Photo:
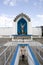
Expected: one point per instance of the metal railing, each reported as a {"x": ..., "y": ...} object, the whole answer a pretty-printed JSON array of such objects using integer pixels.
[{"x": 6, "y": 54}]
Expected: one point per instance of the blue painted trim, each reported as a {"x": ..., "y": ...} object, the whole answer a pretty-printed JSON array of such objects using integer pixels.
[
  {"x": 33, "y": 55},
  {"x": 23, "y": 44},
  {"x": 31, "y": 51},
  {"x": 22, "y": 35},
  {"x": 14, "y": 56}
]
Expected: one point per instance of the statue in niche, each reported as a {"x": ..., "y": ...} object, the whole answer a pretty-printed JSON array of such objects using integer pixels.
[{"x": 22, "y": 28}]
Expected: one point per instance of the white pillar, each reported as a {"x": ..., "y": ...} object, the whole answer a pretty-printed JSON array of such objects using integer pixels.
[{"x": 31, "y": 37}]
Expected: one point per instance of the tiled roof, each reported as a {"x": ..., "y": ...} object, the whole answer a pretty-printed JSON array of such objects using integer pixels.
[{"x": 22, "y": 15}]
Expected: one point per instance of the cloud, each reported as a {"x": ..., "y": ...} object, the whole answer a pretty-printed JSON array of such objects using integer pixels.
[
  {"x": 5, "y": 20},
  {"x": 6, "y": 2},
  {"x": 37, "y": 20},
  {"x": 34, "y": 22},
  {"x": 40, "y": 16},
  {"x": 10, "y": 2},
  {"x": 13, "y": 2},
  {"x": 40, "y": 19}
]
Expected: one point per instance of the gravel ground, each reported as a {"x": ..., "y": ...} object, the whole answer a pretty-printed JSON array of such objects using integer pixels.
[
  {"x": 4, "y": 40},
  {"x": 2, "y": 48},
  {"x": 39, "y": 40},
  {"x": 40, "y": 61}
]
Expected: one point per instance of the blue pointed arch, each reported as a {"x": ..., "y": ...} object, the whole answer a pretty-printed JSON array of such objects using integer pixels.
[{"x": 22, "y": 21}]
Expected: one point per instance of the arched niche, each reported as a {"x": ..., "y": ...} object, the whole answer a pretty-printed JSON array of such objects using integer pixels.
[
  {"x": 17, "y": 23},
  {"x": 22, "y": 27}
]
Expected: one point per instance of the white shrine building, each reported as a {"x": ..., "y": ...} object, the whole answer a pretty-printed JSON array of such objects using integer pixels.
[
  {"x": 22, "y": 26},
  {"x": 19, "y": 50}
]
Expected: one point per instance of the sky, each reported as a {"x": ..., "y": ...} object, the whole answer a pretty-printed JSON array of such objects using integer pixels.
[{"x": 9, "y": 9}]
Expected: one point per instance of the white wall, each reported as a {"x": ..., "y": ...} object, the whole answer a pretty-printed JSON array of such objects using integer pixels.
[
  {"x": 6, "y": 31},
  {"x": 29, "y": 28},
  {"x": 36, "y": 31},
  {"x": 14, "y": 28}
]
